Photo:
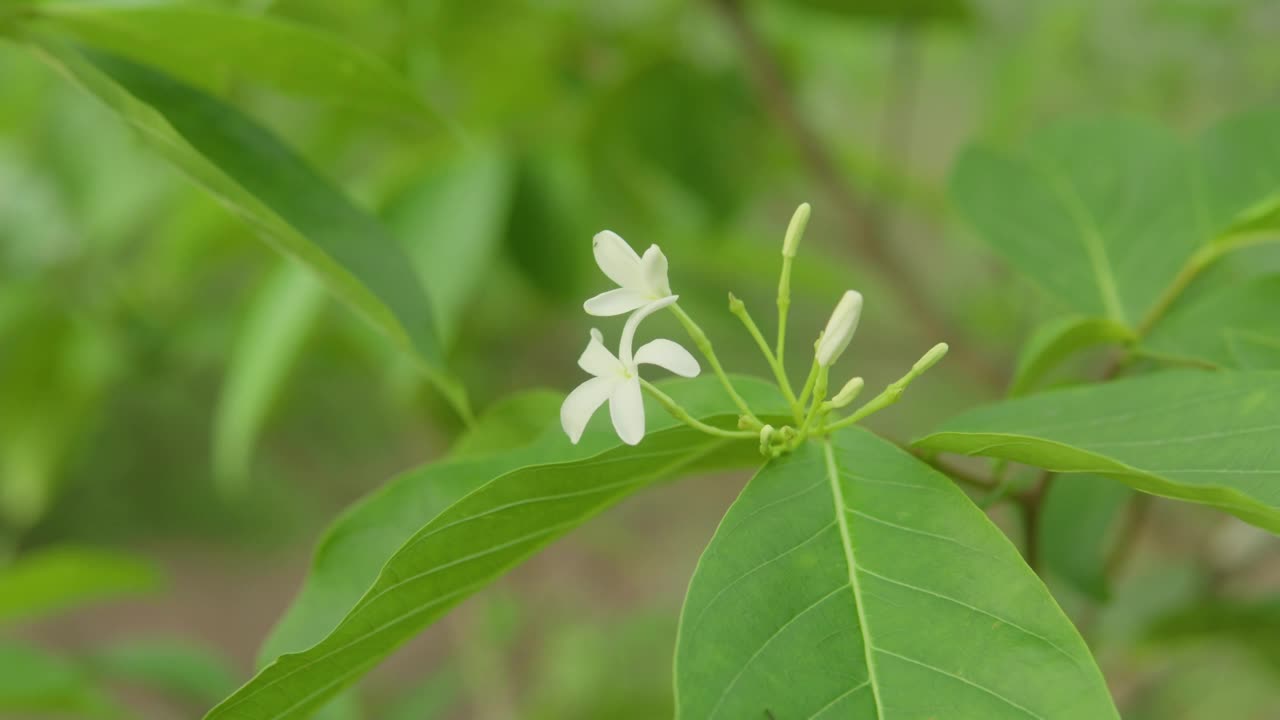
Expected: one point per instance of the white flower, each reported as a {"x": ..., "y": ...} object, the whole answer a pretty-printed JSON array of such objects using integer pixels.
[
  {"x": 840, "y": 328},
  {"x": 640, "y": 280},
  {"x": 617, "y": 379}
]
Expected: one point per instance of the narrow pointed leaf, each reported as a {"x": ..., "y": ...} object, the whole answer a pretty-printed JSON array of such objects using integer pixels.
[
  {"x": 849, "y": 580},
  {"x": 219, "y": 48},
  {"x": 258, "y": 177},
  {"x": 1205, "y": 437},
  {"x": 458, "y": 525},
  {"x": 271, "y": 339}
]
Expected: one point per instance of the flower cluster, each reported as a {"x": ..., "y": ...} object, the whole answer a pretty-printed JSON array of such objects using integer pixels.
[{"x": 643, "y": 289}]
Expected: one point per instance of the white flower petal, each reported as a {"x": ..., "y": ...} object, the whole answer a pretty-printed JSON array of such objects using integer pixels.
[
  {"x": 626, "y": 407},
  {"x": 654, "y": 267},
  {"x": 633, "y": 322},
  {"x": 616, "y": 258},
  {"x": 582, "y": 403},
  {"x": 597, "y": 359},
  {"x": 614, "y": 302},
  {"x": 669, "y": 355}
]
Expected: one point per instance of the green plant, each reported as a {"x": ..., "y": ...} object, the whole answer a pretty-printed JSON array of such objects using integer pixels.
[{"x": 853, "y": 576}]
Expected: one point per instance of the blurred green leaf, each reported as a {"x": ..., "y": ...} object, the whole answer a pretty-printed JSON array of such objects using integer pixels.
[
  {"x": 617, "y": 666},
  {"x": 1056, "y": 341},
  {"x": 1253, "y": 625},
  {"x": 1101, "y": 213},
  {"x": 271, "y": 338},
  {"x": 216, "y": 48},
  {"x": 1204, "y": 437},
  {"x": 55, "y": 368},
  {"x": 1076, "y": 530},
  {"x": 1240, "y": 162},
  {"x": 49, "y": 581},
  {"x": 33, "y": 682},
  {"x": 1237, "y": 327},
  {"x": 914, "y": 11},
  {"x": 850, "y": 580},
  {"x": 454, "y": 540},
  {"x": 451, "y": 223},
  {"x": 299, "y": 212},
  {"x": 177, "y": 667}
]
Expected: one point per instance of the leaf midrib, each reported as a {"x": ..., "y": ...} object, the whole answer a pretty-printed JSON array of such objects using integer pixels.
[
  {"x": 1091, "y": 239},
  {"x": 846, "y": 543}
]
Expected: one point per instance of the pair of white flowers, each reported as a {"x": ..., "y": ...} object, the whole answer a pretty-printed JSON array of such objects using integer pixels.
[{"x": 642, "y": 290}]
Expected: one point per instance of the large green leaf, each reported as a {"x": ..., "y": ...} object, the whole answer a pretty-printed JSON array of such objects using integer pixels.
[
  {"x": 1240, "y": 164},
  {"x": 1237, "y": 327},
  {"x": 260, "y": 179},
  {"x": 458, "y": 525},
  {"x": 849, "y": 580},
  {"x": 213, "y": 47},
  {"x": 1058, "y": 340},
  {"x": 1207, "y": 437},
  {"x": 1100, "y": 213},
  {"x": 55, "y": 579},
  {"x": 271, "y": 338}
]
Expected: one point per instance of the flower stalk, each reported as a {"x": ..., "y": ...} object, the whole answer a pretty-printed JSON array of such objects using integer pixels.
[{"x": 643, "y": 289}]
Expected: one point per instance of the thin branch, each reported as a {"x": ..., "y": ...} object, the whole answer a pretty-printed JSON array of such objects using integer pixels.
[{"x": 863, "y": 231}]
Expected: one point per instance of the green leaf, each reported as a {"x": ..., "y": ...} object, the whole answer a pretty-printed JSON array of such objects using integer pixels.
[
  {"x": 1100, "y": 213},
  {"x": 849, "y": 580},
  {"x": 49, "y": 581},
  {"x": 216, "y": 49},
  {"x": 1237, "y": 327},
  {"x": 33, "y": 681},
  {"x": 1056, "y": 341},
  {"x": 173, "y": 666},
  {"x": 1253, "y": 625},
  {"x": 1076, "y": 530},
  {"x": 458, "y": 525},
  {"x": 264, "y": 182},
  {"x": 451, "y": 222},
  {"x": 271, "y": 338},
  {"x": 1206, "y": 437},
  {"x": 1240, "y": 162},
  {"x": 916, "y": 11}
]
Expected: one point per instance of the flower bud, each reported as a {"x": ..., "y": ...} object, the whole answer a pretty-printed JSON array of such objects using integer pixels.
[
  {"x": 847, "y": 393},
  {"x": 930, "y": 358},
  {"x": 791, "y": 241},
  {"x": 735, "y": 305},
  {"x": 840, "y": 328}
]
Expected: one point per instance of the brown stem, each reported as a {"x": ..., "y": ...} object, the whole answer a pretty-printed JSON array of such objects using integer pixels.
[{"x": 862, "y": 229}]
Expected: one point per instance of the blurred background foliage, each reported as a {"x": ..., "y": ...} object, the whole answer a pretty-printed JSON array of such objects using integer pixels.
[{"x": 182, "y": 410}]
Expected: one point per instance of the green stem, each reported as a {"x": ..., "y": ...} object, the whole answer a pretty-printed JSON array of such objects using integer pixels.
[
  {"x": 683, "y": 415},
  {"x": 890, "y": 394},
  {"x": 808, "y": 384},
  {"x": 738, "y": 308},
  {"x": 704, "y": 345},
  {"x": 784, "y": 305},
  {"x": 819, "y": 394}
]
